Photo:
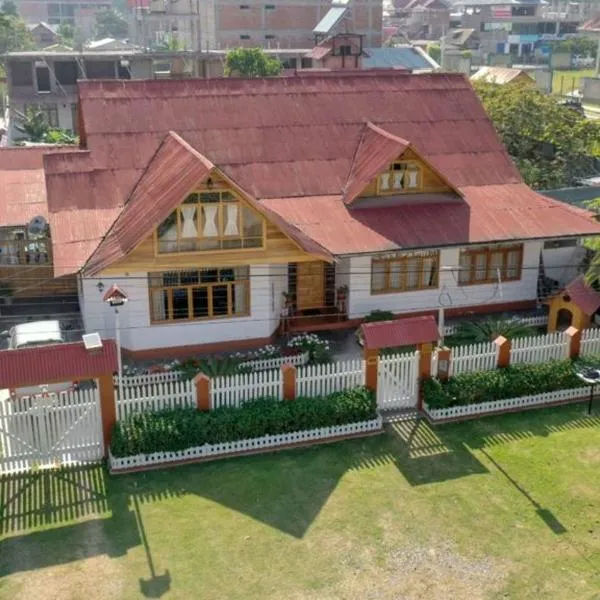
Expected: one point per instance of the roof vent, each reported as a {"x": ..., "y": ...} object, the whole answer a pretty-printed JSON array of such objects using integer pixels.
[{"x": 92, "y": 341}]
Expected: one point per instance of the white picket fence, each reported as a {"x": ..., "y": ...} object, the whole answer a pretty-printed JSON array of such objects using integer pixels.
[
  {"x": 474, "y": 357},
  {"x": 539, "y": 348},
  {"x": 131, "y": 397},
  {"x": 590, "y": 341},
  {"x": 398, "y": 381},
  {"x": 148, "y": 378},
  {"x": 276, "y": 363},
  {"x": 234, "y": 390},
  {"x": 325, "y": 379},
  {"x": 50, "y": 430}
]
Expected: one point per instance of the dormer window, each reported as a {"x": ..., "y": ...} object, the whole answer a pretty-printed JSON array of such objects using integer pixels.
[
  {"x": 210, "y": 220},
  {"x": 403, "y": 176}
]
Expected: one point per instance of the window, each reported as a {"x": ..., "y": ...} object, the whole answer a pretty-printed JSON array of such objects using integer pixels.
[
  {"x": 244, "y": 7},
  {"x": 269, "y": 7},
  {"x": 346, "y": 50},
  {"x": 405, "y": 272},
  {"x": 401, "y": 177},
  {"x": 269, "y": 36},
  {"x": 21, "y": 73},
  {"x": 50, "y": 112},
  {"x": 196, "y": 295},
  {"x": 212, "y": 220},
  {"x": 66, "y": 72},
  {"x": 100, "y": 69},
  {"x": 42, "y": 77},
  {"x": 555, "y": 244},
  {"x": 481, "y": 265},
  {"x": 244, "y": 37}
]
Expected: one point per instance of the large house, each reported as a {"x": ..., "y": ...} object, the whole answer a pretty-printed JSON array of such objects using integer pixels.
[{"x": 217, "y": 206}]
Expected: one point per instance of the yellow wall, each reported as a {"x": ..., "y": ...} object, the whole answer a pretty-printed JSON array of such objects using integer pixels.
[{"x": 580, "y": 320}]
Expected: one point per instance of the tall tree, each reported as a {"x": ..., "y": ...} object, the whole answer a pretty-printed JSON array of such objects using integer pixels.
[
  {"x": 251, "y": 62},
  {"x": 552, "y": 145},
  {"x": 66, "y": 33},
  {"x": 8, "y": 7},
  {"x": 14, "y": 34},
  {"x": 110, "y": 23}
]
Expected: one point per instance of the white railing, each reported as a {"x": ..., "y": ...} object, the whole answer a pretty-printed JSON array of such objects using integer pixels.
[
  {"x": 398, "y": 381},
  {"x": 524, "y": 402},
  {"x": 155, "y": 396},
  {"x": 532, "y": 321},
  {"x": 276, "y": 363},
  {"x": 252, "y": 445},
  {"x": 234, "y": 390},
  {"x": 321, "y": 380},
  {"x": 148, "y": 378},
  {"x": 590, "y": 341},
  {"x": 539, "y": 348},
  {"x": 474, "y": 357}
]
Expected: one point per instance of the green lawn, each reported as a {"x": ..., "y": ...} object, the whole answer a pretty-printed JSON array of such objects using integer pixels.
[
  {"x": 564, "y": 82},
  {"x": 504, "y": 507}
]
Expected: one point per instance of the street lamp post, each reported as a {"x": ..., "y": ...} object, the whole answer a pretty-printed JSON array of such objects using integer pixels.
[
  {"x": 116, "y": 298},
  {"x": 591, "y": 377}
]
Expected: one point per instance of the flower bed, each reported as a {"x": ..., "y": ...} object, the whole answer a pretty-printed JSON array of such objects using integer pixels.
[{"x": 174, "y": 433}]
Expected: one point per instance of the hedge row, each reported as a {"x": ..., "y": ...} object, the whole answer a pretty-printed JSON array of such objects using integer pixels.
[
  {"x": 178, "y": 429},
  {"x": 511, "y": 382}
]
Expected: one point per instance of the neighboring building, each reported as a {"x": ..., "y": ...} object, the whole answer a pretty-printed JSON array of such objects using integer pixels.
[
  {"x": 26, "y": 255},
  {"x": 422, "y": 19},
  {"x": 503, "y": 75},
  {"x": 227, "y": 24},
  {"x": 44, "y": 35},
  {"x": 389, "y": 188},
  {"x": 462, "y": 39}
]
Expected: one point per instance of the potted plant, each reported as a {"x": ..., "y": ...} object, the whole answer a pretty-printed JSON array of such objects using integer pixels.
[{"x": 6, "y": 292}]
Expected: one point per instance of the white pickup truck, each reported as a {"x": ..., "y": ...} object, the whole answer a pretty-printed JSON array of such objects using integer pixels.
[{"x": 38, "y": 333}]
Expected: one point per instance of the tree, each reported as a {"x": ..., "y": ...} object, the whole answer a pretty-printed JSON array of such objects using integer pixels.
[
  {"x": 552, "y": 144},
  {"x": 14, "y": 35},
  {"x": 435, "y": 52},
  {"x": 9, "y": 8},
  {"x": 33, "y": 124},
  {"x": 578, "y": 46},
  {"x": 251, "y": 62},
  {"x": 66, "y": 33},
  {"x": 109, "y": 23}
]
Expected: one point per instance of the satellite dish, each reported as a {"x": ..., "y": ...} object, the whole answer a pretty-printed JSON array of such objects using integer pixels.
[{"x": 38, "y": 227}]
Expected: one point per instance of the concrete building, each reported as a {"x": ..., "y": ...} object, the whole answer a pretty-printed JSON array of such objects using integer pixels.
[{"x": 421, "y": 19}]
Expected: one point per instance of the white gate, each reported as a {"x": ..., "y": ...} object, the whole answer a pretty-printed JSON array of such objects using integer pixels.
[
  {"x": 398, "y": 382},
  {"x": 51, "y": 429}
]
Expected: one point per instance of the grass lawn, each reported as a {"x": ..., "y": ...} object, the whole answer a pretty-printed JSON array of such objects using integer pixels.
[
  {"x": 504, "y": 507},
  {"x": 564, "y": 82}
]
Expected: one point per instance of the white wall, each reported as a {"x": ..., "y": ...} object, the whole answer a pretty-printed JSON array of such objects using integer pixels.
[
  {"x": 267, "y": 282},
  {"x": 561, "y": 263},
  {"x": 361, "y": 301}
]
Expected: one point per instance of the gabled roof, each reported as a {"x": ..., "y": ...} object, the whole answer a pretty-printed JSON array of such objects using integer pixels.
[
  {"x": 400, "y": 332},
  {"x": 591, "y": 26},
  {"x": 399, "y": 57},
  {"x": 584, "y": 296},
  {"x": 499, "y": 75}
]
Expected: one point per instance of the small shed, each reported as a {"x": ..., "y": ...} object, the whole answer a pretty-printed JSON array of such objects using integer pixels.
[{"x": 574, "y": 306}]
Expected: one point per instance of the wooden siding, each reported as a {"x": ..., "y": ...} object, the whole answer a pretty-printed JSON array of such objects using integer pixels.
[
  {"x": 432, "y": 183},
  {"x": 36, "y": 281}
]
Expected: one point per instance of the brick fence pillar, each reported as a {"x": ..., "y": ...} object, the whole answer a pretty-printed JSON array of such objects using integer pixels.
[
  {"x": 108, "y": 408},
  {"x": 288, "y": 373},
  {"x": 574, "y": 336},
  {"x": 443, "y": 363},
  {"x": 202, "y": 383},
  {"x": 503, "y": 346},
  {"x": 425, "y": 352},
  {"x": 371, "y": 369}
]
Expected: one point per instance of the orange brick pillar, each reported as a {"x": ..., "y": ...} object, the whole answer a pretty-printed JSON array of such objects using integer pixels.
[
  {"x": 288, "y": 373},
  {"x": 503, "y": 351},
  {"x": 444, "y": 358},
  {"x": 202, "y": 383},
  {"x": 425, "y": 351},
  {"x": 371, "y": 369},
  {"x": 108, "y": 408},
  {"x": 574, "y": 336}
]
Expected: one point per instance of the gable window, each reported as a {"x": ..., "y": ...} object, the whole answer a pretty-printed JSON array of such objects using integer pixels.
[
  {"x": 401, "y": 177},
  {"x": 482, "y": 265},
  {"x": 214, "y": 220},
  {"x": 405, "y": 272},
  {"x": 197, "y": 295}
]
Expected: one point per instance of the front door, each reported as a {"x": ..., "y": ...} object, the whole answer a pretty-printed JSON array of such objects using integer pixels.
[{"x": 310, "y": 285}]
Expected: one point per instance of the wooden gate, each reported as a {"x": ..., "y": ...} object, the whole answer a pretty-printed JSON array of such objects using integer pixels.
[
  {"x": 398, "y": 382},
  {"x": 48, "y": 430}
]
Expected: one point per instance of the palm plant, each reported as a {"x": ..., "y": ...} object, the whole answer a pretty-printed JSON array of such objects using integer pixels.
[
  {"x": 487, "y": 330},
  {"x": 33, "y": 124}
]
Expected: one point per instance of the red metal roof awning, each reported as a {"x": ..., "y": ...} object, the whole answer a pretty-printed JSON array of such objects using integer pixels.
[
  {"x": 584, "y": 296},
  {"x": 401, "y": 332},
  {"x": 56, "y": 363}
]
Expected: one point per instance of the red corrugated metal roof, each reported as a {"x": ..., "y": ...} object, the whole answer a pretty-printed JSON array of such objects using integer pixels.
[
  {"x": 400, "y": 332},
  {"x": 586, "y": 297},
  {"x": 55, "y": 363},
  {"x": 286, "y": 137}
]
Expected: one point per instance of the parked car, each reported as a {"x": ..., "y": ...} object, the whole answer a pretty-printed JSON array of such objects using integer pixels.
[{"x": 38, "y": 333}]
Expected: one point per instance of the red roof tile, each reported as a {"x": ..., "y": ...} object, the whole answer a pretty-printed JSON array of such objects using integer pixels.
[
  {"x": 586, "y": 297},
  {"x": 55, "y": 363},
  {"x": 400, "y": 332}
]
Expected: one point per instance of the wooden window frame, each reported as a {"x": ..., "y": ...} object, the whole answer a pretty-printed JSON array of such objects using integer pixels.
[
  {"x": 491, "y": 275},
  {"x": 387, "y": 262},
  {"x": 170, "y": 320},
  {"x": 241, "y": 206},
  {"x": 390, "y": 171}
]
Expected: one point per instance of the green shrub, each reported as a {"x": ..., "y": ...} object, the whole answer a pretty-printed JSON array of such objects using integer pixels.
[
  {"x": 319, "y": 349},
  {"x": 379, "y": 315},
  {"x": 512, "y": 382},
  {"x": 487, "y": 330},
  {"x": 213, "y": 366},
  {"x": 178, "y": 429}
]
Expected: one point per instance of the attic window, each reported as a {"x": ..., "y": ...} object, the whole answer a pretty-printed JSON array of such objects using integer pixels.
[{"x": 402, "y": 176}]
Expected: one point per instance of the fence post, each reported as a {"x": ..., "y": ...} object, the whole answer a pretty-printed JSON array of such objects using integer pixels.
[
  {"x": 288, "y": 373},
  {"x": 503, "y": 346},
  {"x": 574, "y": 339},
  {"x": 371, "y": 369},
  {"x": 425, "y": 351},
  {"x": 443, "y": 363},
  {"x": 202, "y": 383},
  {"x": 108, "y": 408}
]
